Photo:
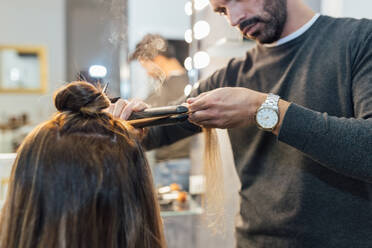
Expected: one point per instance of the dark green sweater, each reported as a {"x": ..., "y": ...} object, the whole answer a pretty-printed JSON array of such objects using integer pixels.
[{"x": 312, "y": 185}]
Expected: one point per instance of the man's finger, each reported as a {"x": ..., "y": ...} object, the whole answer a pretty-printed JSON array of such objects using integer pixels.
[
  {"x": 110, "y": 109},
  {"x": 209, "y": 124},
  {"x": 119, "y": 106},
  {"x": 140, "y": 106},
  {"x": 206, "y": 124},
  {"x": 198, "y": 105},
  {"x": 127, "y": 111},
  {"x": 133, "y": 106},
  {"x": 193, "y": 99},
  {"x": 200, "y": 116}
]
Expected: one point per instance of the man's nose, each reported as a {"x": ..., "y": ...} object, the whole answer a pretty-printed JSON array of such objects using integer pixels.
[{"x": 235, "y": 16}]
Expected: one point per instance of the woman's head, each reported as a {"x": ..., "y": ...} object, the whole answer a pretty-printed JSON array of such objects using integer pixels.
[{"x": 81, "y": 180}]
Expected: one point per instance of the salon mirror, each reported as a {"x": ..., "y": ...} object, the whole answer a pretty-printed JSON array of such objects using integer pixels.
[{"x": 23, "y": 69}]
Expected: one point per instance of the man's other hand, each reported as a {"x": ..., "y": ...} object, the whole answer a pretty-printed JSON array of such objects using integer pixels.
[
  {"x": 225, "y": 107},
  {"x": 123, "y": 108}
]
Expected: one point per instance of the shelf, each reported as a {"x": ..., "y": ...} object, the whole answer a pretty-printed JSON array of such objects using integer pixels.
[{"x": 194, "y": 208}]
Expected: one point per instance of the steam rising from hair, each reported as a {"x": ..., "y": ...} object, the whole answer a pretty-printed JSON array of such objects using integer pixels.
[
  {"x": 151, "y": 46},
  {"x": 148, "y": 48},
  {"x": 115, "y": 12}
]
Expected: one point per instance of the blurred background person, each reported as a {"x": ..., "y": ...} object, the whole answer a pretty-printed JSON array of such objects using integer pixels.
[{"x": 160, "y": 60}]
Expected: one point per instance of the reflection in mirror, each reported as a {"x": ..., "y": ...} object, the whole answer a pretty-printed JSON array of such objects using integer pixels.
[{"x": 22, "y": 69}]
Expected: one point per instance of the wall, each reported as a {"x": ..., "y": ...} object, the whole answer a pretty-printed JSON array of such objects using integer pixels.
[
  {"x": 36, "y": 22},
  {"x": 347, "y": 8},
  {"x": 96, "y": 30},
  {"x": 314, "y": 4},
  {"x": 357, "y": 8}
]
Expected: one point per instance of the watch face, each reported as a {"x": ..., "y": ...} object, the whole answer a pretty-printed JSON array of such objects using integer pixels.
[{"x": 267, "y": 118}]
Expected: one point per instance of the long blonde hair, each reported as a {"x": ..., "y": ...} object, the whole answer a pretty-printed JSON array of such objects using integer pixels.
[{"x": 214, "y": 200}]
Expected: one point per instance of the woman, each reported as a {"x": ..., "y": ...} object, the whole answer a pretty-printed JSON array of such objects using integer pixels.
[{"x": 81, "y": 180}]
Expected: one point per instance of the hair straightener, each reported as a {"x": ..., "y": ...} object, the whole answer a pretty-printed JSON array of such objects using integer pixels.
[{"x": 159, "y": 116}]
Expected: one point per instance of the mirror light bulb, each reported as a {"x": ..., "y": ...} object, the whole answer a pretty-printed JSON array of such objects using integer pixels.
[
  {"x": 201, "y": 60},
  {"x": 201, "y": 4},
  {"x": 188, "y": 36},
  {"x": 188, "y": 63},
  {"x": 201, "y": 30},
  {"x": 97, "y": 71},
  {"x": 188, "y": 89},
  {"x": 188, "y": 8}
]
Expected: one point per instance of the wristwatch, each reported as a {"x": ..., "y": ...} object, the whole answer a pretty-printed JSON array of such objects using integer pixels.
[{"x": 267, "y": 115}]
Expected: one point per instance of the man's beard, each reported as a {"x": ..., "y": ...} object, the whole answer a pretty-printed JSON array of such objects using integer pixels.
[{"x": 273, "y": 20}]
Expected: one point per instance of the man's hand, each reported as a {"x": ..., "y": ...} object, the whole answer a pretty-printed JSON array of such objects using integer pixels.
[
  {"x": 225, "y": 107},
  {"x": 123, "y": 109}
]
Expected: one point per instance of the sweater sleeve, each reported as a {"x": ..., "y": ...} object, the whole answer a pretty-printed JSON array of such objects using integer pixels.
[
  {"x": 159, "y": 136},
  {"x": 341, "y": 144}
]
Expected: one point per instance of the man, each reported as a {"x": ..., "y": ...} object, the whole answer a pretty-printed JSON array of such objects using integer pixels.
[
  {"x": 307, "y": 177},
  {"x": 159, "y": 58}
]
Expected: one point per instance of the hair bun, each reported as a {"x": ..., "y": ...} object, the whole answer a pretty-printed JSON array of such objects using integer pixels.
[{"x": 80, "y": 97}]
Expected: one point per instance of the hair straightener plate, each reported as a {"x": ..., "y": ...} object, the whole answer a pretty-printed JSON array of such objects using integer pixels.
[{"x": 159, "y": 116}]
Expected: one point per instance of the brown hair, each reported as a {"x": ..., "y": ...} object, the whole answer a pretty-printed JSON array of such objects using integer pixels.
[
  {"x": 151, "y": 46},
  {"x": 81, "y": 180}
]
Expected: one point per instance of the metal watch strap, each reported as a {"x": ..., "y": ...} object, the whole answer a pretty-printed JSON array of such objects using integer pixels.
[{"x": 271, "y": 101}]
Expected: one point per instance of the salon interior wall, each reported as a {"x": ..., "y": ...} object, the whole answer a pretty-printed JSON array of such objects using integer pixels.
[
  {"x": 165, "y": 17},
  {"x": 96, "y": 32},
  {"x": 36, "y": 22},
  {"x": 347, "y": 8}
]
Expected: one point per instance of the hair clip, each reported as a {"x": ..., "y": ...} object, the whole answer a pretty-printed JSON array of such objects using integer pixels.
[{"x": 104, "y": 91}]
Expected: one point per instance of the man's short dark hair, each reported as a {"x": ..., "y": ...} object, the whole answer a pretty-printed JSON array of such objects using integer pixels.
[{"x": 151, "y": 46}]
